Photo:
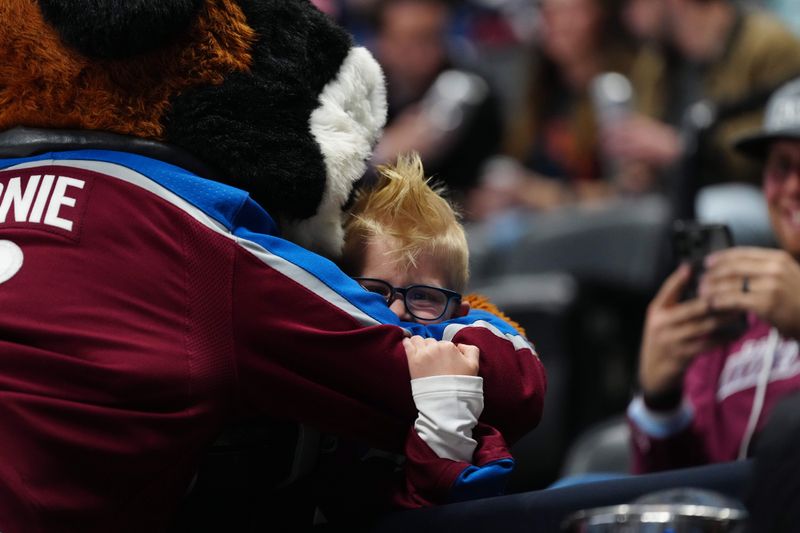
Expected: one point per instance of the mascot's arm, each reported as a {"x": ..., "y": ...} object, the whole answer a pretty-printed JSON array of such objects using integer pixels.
[{"x": 311, "y": 345}]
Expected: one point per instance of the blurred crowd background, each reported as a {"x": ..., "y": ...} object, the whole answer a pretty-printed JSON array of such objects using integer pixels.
[{"x": 572, "y": 134}]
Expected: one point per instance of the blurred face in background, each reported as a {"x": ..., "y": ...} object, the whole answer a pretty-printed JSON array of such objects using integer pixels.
[
  {"x": 782, "y": 192},
  {"x": 331, "y": 7},
  {"x": 412, "y": 43},
  {"x": 689, "y": 30},
  {"x": 645, "y": 19},
  {"x": 570, "y": 29}
]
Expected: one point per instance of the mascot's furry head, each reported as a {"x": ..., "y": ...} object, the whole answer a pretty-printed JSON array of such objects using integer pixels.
[{"x": 269, "y": 96}]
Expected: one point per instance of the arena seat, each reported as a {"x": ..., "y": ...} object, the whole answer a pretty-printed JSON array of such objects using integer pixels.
[{"x": 602, "y": 448}]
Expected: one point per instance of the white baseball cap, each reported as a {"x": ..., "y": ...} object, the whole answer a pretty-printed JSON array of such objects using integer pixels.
[{"x": 781, "y": 121}]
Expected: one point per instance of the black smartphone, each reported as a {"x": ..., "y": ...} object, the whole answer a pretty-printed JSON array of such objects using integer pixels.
[{"x": 692, "y": 241}]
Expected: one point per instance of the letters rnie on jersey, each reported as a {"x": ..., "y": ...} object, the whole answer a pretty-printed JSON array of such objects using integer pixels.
[{"x": 48, "y": 201}]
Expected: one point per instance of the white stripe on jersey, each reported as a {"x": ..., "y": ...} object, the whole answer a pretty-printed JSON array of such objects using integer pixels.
[{"x": 518, "y": 341}]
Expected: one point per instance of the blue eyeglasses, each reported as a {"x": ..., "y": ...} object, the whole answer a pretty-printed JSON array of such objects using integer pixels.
[{"x": 423, "y": 302}]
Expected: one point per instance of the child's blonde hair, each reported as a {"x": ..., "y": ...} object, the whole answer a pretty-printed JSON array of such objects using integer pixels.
[{"x": 407, "y": 207}]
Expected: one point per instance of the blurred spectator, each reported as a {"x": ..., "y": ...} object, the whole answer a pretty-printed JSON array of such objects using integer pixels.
[
  {"x": 490, "y": 35},
  {"x": 705, "y": 396},
  {"x": 711, "y": 51},
  {"x": 438, "y": 107},
  {"x": 553, "y": 145},
  {"x": 353, "y": 15}
]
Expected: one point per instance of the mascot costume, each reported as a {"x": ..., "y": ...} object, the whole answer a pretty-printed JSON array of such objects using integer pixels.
[{"x": 173, "y": 174}]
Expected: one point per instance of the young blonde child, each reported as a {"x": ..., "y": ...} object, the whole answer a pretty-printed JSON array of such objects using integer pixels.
[{"x": 404, "y": 242}]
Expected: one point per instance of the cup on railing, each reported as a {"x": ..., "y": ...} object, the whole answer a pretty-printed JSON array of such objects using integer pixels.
[{"x": 681, "y": 510}]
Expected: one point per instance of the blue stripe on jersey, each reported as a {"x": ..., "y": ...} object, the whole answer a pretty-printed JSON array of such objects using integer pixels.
[
  {"x": 326, "y": 272},
  {"x": 219, "y": 201},
  {"x": 437, "y": 330},
  {"x": 482, "y": 481},
  {"x": 330, "y": 274}
]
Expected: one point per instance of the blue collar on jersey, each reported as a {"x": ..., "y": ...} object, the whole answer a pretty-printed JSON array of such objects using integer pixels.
[{"x": 228, "y": 205}]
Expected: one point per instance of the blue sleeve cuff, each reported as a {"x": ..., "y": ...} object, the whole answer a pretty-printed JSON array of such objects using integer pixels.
[
  {"x": 660, "y": 425},
  {"x": 476, "y": 482}
]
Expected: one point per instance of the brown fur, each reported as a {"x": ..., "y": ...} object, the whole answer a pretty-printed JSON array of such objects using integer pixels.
[
  {"x": 66, "y": 90},
  {"x": 478, "y": 301}
]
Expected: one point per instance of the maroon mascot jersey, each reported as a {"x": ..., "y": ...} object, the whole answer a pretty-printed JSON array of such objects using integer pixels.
[{"x": 144, "y": 307}]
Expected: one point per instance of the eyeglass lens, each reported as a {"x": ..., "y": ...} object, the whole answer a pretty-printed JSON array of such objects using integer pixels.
[
  {"x": 378, "y": 287},
  {"x": 425, "y": 302}
]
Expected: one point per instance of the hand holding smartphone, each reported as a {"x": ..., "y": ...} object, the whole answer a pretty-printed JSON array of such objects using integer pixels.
[{"x": 692, "y": 242}]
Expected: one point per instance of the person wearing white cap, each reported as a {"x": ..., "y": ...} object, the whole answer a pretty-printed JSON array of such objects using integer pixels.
[{"x": 703, "y": 399}]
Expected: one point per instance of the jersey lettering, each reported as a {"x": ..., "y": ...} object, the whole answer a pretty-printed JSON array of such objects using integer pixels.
[{"x": 40, "y": 199}]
